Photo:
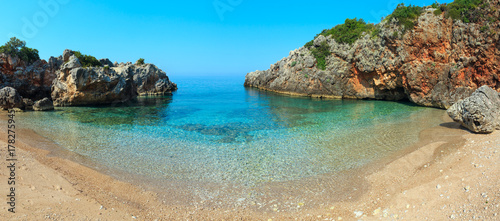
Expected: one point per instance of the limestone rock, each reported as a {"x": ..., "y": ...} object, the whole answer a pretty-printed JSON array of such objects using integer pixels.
[
  {"x": 105, "y": 61},
  {"x": 67, "y": 54},
  {"x": 438, "y": 63},
  {"x": 110, "y": 84},
  {"x": 87, "y": 86},
  {"x": 67, "y": 83},
  {"x": 480, "y": 113},
  {"x": 32, "y": 80},
  {"x": 149, "y": 79},
  {"x": 28, "y": 104},
  {"x": 43, "y": 105},
  {"x": 9, "y": 98},
  {"x": 73, "y": 62}
]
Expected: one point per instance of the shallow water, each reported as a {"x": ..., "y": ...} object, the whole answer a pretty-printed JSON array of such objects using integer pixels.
[{"x": 213, "y": 130}]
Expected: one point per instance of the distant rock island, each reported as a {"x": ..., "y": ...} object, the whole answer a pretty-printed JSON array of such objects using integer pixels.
[
  {"x": 72, "y": 79},
  {"x": 433, "y": 56}
]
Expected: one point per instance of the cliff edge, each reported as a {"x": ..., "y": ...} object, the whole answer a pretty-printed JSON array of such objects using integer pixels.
[
  {"x": 439, "y": 56},
  {"x": 73, "y": 79}
]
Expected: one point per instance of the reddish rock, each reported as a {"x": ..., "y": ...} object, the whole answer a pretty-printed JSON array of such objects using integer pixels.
[{"x": 436, "y": 64}]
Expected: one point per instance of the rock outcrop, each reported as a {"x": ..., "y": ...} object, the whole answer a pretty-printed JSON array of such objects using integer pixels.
[
  {"x": 9, "y": 98},
  {"x": 480, "y": 113},
  {"x": 43, "y": 105},
  {"x": 75, "y": 85},
  {"x": 437, "y": 63},
  {"x": 30, "y": 80},
  {"x": 67, "y": 83}
]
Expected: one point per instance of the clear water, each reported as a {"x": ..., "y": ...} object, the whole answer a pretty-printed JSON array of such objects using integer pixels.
[{"x": 214, "y": 130}]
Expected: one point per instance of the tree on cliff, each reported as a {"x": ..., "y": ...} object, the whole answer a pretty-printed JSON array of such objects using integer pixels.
[{"x": 16, "y": 47}]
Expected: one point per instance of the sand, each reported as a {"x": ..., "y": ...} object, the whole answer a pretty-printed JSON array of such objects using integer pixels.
[{"x": 449, "y": 174}]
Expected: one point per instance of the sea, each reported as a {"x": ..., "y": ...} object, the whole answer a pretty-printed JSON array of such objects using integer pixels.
[{"x": 219, "y": 140}]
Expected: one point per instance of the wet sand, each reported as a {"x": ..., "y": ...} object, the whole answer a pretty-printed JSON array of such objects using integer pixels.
[{"x": 449, "y": 174}]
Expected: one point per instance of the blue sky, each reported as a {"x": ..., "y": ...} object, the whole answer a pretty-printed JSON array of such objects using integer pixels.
[{"x": 182, "y": 37}]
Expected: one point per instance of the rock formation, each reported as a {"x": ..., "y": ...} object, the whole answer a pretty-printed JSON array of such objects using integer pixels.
[
  {"x": 31, "y": 81},
  {"x": 75, "y": 85},
  {"x": 437, "y": 63},
  {"x": 43, "y": 105},
  {"x": 67, "y": 83},
  {"x": 480, "y": 113},
  {"x": 9, "y": 98}
]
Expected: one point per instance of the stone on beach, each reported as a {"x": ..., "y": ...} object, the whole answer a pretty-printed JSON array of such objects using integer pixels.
[
  {"x": 43, "y": 105},
  {"x": 480, "y": 113}
]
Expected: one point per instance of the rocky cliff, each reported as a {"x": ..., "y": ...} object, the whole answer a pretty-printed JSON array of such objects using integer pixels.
[
  {"x": 436, "y": 63},
  {"x": 66, "y": 82},
  {"x": 75, "y": 85}
]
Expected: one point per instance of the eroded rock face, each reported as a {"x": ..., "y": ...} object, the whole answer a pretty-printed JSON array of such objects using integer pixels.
[
  {"x": 9, "y": 98},
  {"x": 75, "y": 85},
  {"x": 149, "y": 79},
  {"x": 436, "y": 64},
  {"x": 480, "y": 113},
  {"x": 65, "y": 80},
  {"x": 30, "y": 80}
]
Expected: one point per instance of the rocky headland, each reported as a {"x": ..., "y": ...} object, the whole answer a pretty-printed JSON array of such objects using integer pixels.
[
  {"x": 433, "y": 56},
  {"x": 68, "y": 81}
]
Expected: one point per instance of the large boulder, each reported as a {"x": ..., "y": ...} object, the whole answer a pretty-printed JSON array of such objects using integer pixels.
[
  {"x": 9, "y": 98},
  {"x": 480, "y": 113},
  {"x": 43, "y": 105},
  {"x": 89, "y": 86}
]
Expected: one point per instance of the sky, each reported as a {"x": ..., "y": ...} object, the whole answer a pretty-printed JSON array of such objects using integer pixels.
[{"x": 210, "y": 37}]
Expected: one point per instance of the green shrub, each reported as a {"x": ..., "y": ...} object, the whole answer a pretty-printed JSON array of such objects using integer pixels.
[
  {"x": 464, "y": 10},
  {"x": 376, "y": 32},
  {"x": 106, "y": 67},
  {"x": 348, "y": 32},
  {"x": 484, "y": 28},
  {"x": 140, "y": 61},
  {"x": 438, "y": 12},
  {"x": 406, "y": 15},
  {"x": 435, "y": 5},
  {"x": 293, "y": 64},
  {"x": 306, "y": 76},
  {"x": 16, "y": 47},
  {"x": 320, "y": 53},
  {"x": 310, "y": 43},
  {"x": 87, "y": 60}
]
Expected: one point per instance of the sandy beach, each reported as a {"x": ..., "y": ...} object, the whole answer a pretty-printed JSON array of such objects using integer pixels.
[{"x": 449, "y": 174}]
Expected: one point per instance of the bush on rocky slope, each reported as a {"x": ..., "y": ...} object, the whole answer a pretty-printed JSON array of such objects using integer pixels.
[
  {"x": 87, "y": 60},
  {"x": 406, "y": 15},
  {"x": 17, "y": 48}
]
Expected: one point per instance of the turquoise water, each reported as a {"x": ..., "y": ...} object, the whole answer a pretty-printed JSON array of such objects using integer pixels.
[{"x": 216, "y": 131}]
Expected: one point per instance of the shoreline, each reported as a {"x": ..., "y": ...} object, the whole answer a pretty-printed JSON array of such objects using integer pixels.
[{"x": 92, "y": 194}]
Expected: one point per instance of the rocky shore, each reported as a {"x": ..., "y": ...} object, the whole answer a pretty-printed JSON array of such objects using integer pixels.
[
  {"x": 436, "y": 63},
  {"x": 64, "y": 81}
]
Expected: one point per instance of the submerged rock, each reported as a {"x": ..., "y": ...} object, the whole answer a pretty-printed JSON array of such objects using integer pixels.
[{"x": 480, "y": 113}]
